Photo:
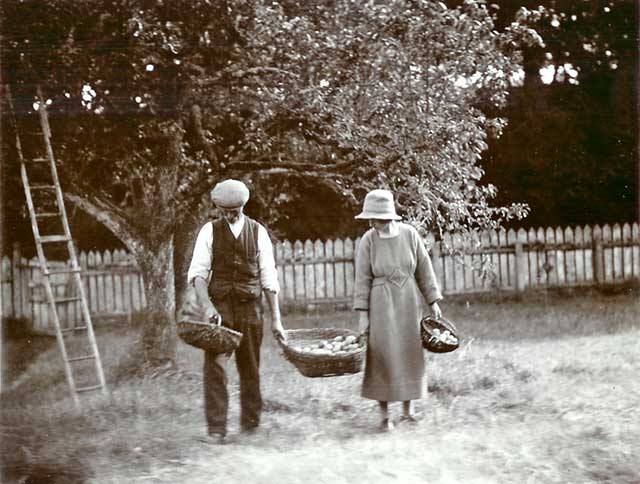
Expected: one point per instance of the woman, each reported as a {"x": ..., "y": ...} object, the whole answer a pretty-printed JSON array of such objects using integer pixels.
[{"x": 393, "y": 274}]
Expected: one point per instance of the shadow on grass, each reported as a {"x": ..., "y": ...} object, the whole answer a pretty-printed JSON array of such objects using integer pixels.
[
  {"x": 20, "y": 349},
  {"x": 448, "y": 390},
  {"x": 544, "y": 314},
  {"x": 32, "y": 451},
  {"x": 44, "y": 473}
]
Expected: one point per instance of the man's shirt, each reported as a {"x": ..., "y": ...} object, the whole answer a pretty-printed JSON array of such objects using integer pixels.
[{"x": 203, "y": 255}]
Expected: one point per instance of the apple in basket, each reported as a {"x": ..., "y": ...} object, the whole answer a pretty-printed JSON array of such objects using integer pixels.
[
  {"x": 339, "y": 345},
  {"x": 444, "y": 336}
]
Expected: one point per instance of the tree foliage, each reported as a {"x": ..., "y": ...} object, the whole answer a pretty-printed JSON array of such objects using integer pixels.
[
  {"x": 378, "y": 93},
  {"x": 570, "y": 150},
  {"x": 153, "y": 101},
  {"x": 392, "y": 94}
]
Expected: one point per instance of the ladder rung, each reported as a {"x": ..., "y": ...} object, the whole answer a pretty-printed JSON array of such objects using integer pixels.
[
  {"x": 66, "y": 300},
  {"x": 54, "y": 238},
  {"x": 81, "y": 358},
  {"x": 47, "y": 214},
  {"x": 39, "y": 285},
  {"x": 70, "y": 330},
  {"x": 62, "y": 270},
  {"x": 37, "y": 160},
  {"x": 42, "y": 187},
  {"x": 88, "y": 389}
]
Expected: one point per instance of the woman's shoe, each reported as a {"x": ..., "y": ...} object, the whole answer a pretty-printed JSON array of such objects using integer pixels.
[
  {"x": 386, "y": 425},
  {"x": 410, "y": 419}
]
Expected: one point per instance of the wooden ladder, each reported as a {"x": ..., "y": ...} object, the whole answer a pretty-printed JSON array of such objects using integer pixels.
[{"x": 45, "y": 203}]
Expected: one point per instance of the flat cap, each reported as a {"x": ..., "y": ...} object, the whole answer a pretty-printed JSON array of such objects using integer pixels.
[{"x": 230, "y": 194}]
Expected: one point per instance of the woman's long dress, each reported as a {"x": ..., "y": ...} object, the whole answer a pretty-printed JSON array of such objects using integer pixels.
[{"x": 392, "y": 276}]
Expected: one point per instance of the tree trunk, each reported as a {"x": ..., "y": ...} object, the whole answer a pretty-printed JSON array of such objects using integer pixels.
[
  {"x": 187, "y": 228},
  {"x": 159, "y": 328},
  {"x": 155, "y": 261}
]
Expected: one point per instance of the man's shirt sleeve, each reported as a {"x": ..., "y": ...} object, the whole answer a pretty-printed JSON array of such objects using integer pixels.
[
  {"x": 266, "y": 262},
  {"x": 201, "y": 260}
]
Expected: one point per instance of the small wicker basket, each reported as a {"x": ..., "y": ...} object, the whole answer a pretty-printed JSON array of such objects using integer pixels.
[
  {"x": 209, "y": 336},
  {"x": 430, "y": 332},
  {"x": 312, "y": 365}
]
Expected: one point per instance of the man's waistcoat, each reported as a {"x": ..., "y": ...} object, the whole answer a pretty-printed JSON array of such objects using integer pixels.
[{"x": 235, "y": 261}]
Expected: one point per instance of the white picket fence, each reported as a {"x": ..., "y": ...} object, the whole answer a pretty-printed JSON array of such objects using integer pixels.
[
  {"x": 113, "y": 286},
  {"x": 317, "y": 272},
  {"x": 312, "y": 272}
]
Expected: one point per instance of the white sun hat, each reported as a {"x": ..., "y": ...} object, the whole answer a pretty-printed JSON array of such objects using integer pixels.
[{"x": 378, "y": 204}]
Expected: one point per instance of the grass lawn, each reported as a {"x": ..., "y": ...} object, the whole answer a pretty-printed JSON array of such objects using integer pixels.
[{"x": 544, "y": 389}]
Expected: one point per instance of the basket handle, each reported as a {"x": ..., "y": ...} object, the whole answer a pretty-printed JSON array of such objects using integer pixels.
[{"x": 445, "y": 322}]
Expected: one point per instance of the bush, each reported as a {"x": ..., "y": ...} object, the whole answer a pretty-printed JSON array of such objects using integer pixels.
[{"x": 15, "y": 328}]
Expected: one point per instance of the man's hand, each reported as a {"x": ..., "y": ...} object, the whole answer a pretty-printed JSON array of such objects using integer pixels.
[
  {"x": 210, "y": 311},
  {"x": 278, "y": 330},
  {"x": 207, "y": 306},
  {"x": 276, "y": 321}
]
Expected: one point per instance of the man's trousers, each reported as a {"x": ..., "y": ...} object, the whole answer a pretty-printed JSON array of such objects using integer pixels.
[{"x": 246, "y": 317}]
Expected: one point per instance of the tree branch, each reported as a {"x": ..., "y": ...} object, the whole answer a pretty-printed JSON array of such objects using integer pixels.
[
  {"x": 107, "y": 214},
  {"x": 271, "y": 70},
  {"x": 291, "y": 167},
  {"x": 321, "y": 176},
  {"x": 212, "y": 154}
]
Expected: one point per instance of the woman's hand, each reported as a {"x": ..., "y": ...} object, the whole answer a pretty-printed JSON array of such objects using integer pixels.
[
  {"x": 363, "y": 326},
  {"x": 436, "y": 312},
  {"x": 363, "y": 322}
]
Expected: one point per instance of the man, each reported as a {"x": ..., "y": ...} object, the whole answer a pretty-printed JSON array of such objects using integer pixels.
[{"x": 232, "y": 266}]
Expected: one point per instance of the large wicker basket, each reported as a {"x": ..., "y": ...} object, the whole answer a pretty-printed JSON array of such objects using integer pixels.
[
  {"x": 431, "y": 330},
  {"x": 311, "y": 365},
  {"x": 209, "y": 336}
]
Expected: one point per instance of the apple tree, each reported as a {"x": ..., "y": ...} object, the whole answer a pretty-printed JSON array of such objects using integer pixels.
[{"x": 152, "y": 102}]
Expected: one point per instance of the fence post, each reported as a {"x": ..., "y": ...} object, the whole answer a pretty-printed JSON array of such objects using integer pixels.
[
  {"x": 520, "y": 267},
  {"x": 598, "y": 259},
  {"x": 16, "y": 281}
]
